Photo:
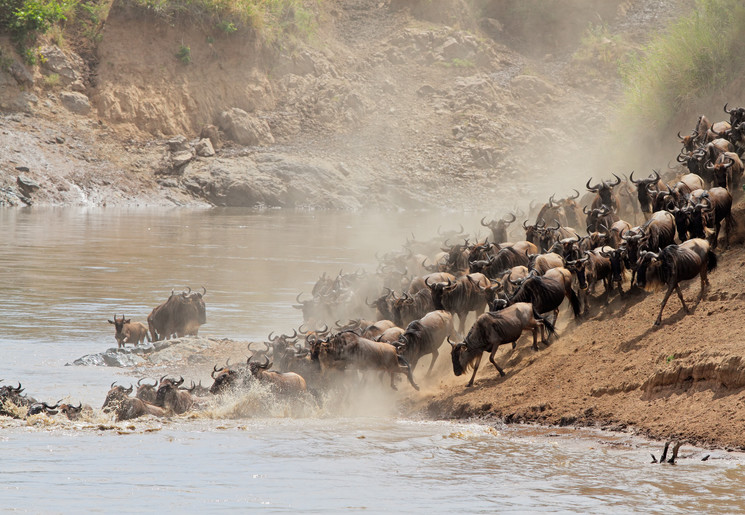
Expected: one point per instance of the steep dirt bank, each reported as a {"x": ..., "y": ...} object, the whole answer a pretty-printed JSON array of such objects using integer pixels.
[{"x": 685, "y": 379}]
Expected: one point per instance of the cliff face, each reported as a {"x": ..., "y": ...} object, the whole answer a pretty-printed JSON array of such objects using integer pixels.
[{"x": 400, "y": 103}]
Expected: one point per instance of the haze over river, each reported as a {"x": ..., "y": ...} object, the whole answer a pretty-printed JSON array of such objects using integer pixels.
[{"x": 64, "y": 272}]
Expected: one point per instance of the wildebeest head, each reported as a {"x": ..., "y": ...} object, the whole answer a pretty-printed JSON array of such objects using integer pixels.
[
  {"x": 438, "y": 289},
  {"x": 643, "y": 187},
  {"x": 167, "y": 387},
  {"x": 616, "y": 257},
  {"x": 118, "y": 327},
  {"x": 42, "y": 407},
  {"x": 648, "y": 267},
  {"x": 736, "y": 116},
  {"x": 461, "y": 357},
  {"x": 146, "y": 392},
  {"x": 499, "y": 228},
  {"x": 604, "y": 189},
  {"x": 533, "y": 232},
  {"x": 115, "y": 395},
  {"x": 225, "y": 378},
  {"x": 70, "y": 411},
  {"x": 578, "y": 268}
]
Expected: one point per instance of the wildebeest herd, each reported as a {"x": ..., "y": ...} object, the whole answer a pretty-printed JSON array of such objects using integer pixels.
[{"x": 406, "y": 309}]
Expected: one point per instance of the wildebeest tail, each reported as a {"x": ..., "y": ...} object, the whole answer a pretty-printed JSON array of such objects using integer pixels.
[
  {"x": 711, "y": 259},
  {"x": 546, "y": 323},
  {"x": 574, "y": 301}
]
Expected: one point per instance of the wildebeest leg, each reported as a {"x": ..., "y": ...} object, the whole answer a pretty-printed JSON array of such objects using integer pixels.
[
  {"x": 491, "y": 358},
  {"x": 393, "y": 383},
  {"x": 435, "y": 353},
  {"x": 535, "y": 337},
  {"x": 403, "y": 364},
  {"x": 680, "y": 296},
  {"x": 475, "y": 368},
  {"x": 664, "y": 301},
  {"x": 462, "y": 322}
]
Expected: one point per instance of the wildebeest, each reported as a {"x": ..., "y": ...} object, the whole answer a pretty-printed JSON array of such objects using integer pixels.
[
  {"x": 180, "y": 315},
  {"x": 126, "y": 407},
  {"x": 146, "y": 392},
  {"x": 129, "y": 332},
  {"x": 286, "y": 383},
  {"x": 673, "y": 264},
  {"x": 409, "y": 307},
  {"x": 461, "y": 297},
  {"x": 351, "y": 349},
  {"x": 171, "y": 398},
  {"x": 505, "y": 259},
  {"x": 493, "y": 329},
  {"x": 591, "y": 269},
  {"x": 548, "y": 291},
  {"x": 727, "y": 171},
  {"x": 643, "y": 187},
  {"x": 424, "y": 336},
  {"x": 604, "y": 195},
  {"x": 499, "y": 228},
  {"x": 714, "y": 207}
]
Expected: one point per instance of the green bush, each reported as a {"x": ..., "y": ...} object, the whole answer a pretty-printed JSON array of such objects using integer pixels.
[
  {"x": 26, "y": 19},
  {"x": 699, "y": 54},
  {"x": 184, "y": 54}
]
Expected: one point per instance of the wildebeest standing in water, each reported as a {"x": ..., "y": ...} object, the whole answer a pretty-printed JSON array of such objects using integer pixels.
[
  {"x": 129, "y": 332},
  {"x": 673, "y": 264},
  {"x": 493, "y": 329},
  {"x": 180, "y": 315}
]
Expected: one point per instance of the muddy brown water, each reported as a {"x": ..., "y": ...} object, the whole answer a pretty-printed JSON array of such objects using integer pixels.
[{"x": 66, "y": 271}]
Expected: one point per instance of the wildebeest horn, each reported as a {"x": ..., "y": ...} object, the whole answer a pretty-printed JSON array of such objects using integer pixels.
[
  {"x": 725, "y": 109},
  {"x": 427, "y": 283},
  {"x": 482, "y": 222},
  {"x": 180, "y": 381},
  {"x": 214, "y": 371},
  {"x": 188, "y": 292},
  {"x": 682, "y": 158},
  {"x": 551, "y": 200},
  {"x": 514, "y": 217},
  {"x": 631, "y": 177},
  {"x": 266, "y": 364},
  {"x": 618, "y": 180},
  {"x": 558, "y": 226},
  {"x": 161, "y": 379},
  {"x": 525, "y": 224},
  {"x": 298, "y": 299},
  {"x": 584, "y": 210},
  {"x": 270, "y": 337},
  {"x": 139, "y": 382},
  {"x": 592, "y": 188},
  {"x": 680, "y": 137},
  {"x": 575, "y": 197},
  {"x": 204, "y": 293},
  {"x": 451, "y": 343},
  {"x": 129, "y": 390},
  {"x": 112, "y": 385}
]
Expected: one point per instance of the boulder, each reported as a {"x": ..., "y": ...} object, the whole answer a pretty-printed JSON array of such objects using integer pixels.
[
  {"x": 180, "y": 159},
  {"x": 203, "y": 148},
  {"x": 245, "y": 128},
  {"x": 68, "y": 65},
  {"x": 75, "y": 102},
  {"x": 26, "y": 185},
  {"x": 178, "y": 144}
]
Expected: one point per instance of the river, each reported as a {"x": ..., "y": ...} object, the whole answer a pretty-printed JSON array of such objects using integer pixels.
[{"x": 65, "y": 272}]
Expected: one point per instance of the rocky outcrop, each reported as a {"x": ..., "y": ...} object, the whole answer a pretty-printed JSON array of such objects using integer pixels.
[
  {"x": 245, "y": 128},
  {"x": 75, "y": 102}
]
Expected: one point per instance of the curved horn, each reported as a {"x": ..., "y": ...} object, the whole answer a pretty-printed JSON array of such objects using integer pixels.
[
  {"x": 180, "y": 381},
  {"x": 592, "y": 188},
  {"x": 551, "y": 201},
  {"x": 266, "y": 363},
  {"x": 214, "y": 371},
  {"x": 482, "y": 222},
  {"x": 129, "y": 390},
  {"x": 514, "y": 217},
  {"x": 631, "y": 178},
  {"x": 524, "y": 224},
  {"x": 451, "y": 343},
  {"x": 576, "y": 195},
  {"x": 270, "y": 337},
  {"x": 725, "y": 109},
  {"x": 618, "y": 180},
  {"x": 204, "y": 291}
]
